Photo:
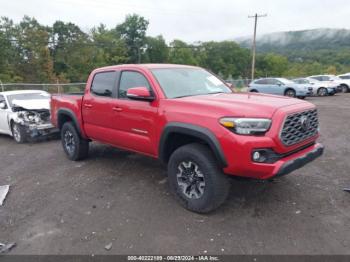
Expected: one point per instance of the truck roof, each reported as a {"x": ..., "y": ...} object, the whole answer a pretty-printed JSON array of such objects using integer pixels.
[{"x": 146, "y": 66}]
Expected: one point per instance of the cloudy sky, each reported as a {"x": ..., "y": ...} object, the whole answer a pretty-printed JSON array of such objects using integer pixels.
[{"x": 189, "y": 20}]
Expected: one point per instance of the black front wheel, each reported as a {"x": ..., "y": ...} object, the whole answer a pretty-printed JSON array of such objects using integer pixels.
[
  {"x": 290, "y": 93},
  {"x": 322, "y": 91},
  {"x": 196, "y": 180},
  {"x": 19, "y": 134},
  {"x": 344, "y": 88},
  {"x": 75, "y": 147}
]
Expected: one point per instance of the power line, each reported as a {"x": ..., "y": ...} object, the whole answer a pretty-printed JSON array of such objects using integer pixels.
[{"x": 256, "y": 16}]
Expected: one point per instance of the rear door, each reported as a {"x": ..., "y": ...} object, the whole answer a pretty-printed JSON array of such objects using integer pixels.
[
  {"x": 97, "y": 107},
  {"x": 270, "y": 86},
  {"x": 136, "y": 120},
  {"x": 261, "y": 85}
]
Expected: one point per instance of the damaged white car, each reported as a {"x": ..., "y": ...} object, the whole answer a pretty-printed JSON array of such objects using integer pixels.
[{"x": 25, "y": 114}]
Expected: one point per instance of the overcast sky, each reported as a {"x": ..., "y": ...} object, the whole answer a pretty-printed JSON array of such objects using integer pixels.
[{"x": 189, "y": 20}]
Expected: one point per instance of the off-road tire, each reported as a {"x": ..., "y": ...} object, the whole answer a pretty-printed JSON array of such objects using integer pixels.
[
  {"x": 217, "y": 185},
  {"x": 80, "y": 149}
]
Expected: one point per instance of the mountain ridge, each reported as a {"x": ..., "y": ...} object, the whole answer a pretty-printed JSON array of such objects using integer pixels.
[{"x": 300, "y": 41}]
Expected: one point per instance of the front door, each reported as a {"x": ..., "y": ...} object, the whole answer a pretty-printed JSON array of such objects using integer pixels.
[{"x": 135, "y": 120}]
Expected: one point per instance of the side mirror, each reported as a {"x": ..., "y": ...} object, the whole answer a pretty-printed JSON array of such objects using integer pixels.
[
  {"x": 3, "y": 105},
  {"x": 139, "y": 93}
]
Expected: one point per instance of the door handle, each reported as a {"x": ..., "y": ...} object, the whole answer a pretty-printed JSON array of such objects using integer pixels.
[
  {"x": 88, "y": 105},
  {"x": 117, "y": 109}
]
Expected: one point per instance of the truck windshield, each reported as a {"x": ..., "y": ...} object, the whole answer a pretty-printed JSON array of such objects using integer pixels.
[
  {"x": 181, "y": 82},
  {"x": 27, "y": 96}
]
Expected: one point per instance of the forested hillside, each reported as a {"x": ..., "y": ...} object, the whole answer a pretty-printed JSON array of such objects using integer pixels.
[{"x": 318, "y": 46}]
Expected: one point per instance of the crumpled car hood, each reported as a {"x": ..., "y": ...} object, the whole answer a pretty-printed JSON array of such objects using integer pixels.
[{"x": 34, "y": 104}]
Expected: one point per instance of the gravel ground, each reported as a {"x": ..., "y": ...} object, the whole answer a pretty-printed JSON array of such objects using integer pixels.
[{"x": 56, "y": 206}]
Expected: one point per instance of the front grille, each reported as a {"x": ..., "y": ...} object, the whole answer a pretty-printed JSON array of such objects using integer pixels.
[{"x": 299, "y": 126}]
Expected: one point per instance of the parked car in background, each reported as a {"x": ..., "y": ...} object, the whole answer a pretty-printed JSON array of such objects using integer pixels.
[
  {"x": 190, "y": 120},
  {"x": 318, "y": 88},
  {"x": 343, "y": 85},
  {"x": 25, "y": 114},
  {"x": 344, "y": 76},
  {"x": 280, "y": 86}
]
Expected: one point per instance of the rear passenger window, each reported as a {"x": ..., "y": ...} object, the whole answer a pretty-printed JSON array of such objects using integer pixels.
[
  {"x": 272, "y": 82},
  {"x": 261, "y": 82},
  {"x": 130, "y": 79},
  {"x": 104, "y": 83}
]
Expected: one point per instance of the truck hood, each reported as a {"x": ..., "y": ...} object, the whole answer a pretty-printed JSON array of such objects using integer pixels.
[
  {"x": 34, "y": 104},
  {"x": 244, "y": 104}
]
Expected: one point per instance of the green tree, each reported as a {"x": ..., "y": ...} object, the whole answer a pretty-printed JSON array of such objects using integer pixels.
[
  {"x": 35, "y": 63},
  {"x": 72, "y": 51},
  {"x": 226, "y": 57},
  {"x": 110, "y": 49},
  {"x": 8, "y": 54},
  {"x": 271, "y": 65},
  {"x": 133, "y": 32},
  {"x": 181, "y": 53},
  {"x": 157, "y": 50}
]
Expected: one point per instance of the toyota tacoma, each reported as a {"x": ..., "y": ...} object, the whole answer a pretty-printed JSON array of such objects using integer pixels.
[{"x": 192, "y": 121}]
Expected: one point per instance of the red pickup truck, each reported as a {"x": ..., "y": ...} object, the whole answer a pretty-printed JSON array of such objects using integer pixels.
[{"x": 192, "y": 121}]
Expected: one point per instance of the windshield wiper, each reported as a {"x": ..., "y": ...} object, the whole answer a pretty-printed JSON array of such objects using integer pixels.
[
  {"x": 219, "y": 92},
  {"x": 211, "y": 93}
]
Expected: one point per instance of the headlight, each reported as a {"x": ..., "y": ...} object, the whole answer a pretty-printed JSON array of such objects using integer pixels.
[
  {"x": 28, "y": 116},
  {"x": 246, "y": 126}
]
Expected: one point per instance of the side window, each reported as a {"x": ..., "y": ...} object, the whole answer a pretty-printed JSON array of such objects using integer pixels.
[
  {"x": 261, "y": 82},
  {"x": 104, "y": 83},
  {"x": 2, "y": 100},
  {"x": 319, "y": 78},
  {"x": 326, "y": 78},
  {"x": 130, "y": 79},
  {"x": 272, "y": 81}
]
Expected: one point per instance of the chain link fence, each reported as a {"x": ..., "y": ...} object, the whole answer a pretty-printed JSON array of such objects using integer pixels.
[
  {"x": 51, "y": 88},
  {"x": 239, "y": 83}
]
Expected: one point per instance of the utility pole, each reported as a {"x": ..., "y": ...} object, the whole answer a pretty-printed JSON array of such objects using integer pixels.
[{"x": 256, "y": 16}]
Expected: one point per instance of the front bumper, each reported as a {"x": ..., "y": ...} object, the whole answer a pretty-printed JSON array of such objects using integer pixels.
[
  {"x": 303, "y": 93},
  {"x": 35, "y": 130},
  {"x": 331, "y": 90},
  {"x": 240, "y": 158},
  {"x": 300, "y": 161}
]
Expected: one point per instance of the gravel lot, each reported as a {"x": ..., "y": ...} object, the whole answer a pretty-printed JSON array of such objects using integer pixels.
[{"x": 56, "y": 206}]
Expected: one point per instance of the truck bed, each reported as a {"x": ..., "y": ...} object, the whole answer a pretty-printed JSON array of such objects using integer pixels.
[{"x": 70, "y": 103}]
